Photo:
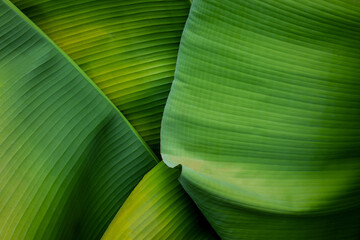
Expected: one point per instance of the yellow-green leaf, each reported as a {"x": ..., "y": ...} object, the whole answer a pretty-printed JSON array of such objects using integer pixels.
[{"x": 159, "y": 208}]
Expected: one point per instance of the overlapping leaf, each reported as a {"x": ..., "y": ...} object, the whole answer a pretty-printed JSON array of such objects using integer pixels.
[
  {"x": 128, "y": 48},
  {"x": 68, "y": 157},
  {"x": 264, "y": 117},
  {"x": 159, "y": 208}
]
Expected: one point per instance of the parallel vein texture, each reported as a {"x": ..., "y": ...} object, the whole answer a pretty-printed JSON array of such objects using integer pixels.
[
  {"x": 68, "y": 158},
  {"x": 264, "y": 116},
  {"x": 128, "y": 48},
  {"x": 159, "y": 208}
]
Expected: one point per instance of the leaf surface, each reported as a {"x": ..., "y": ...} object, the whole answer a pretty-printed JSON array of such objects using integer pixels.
[
  {"x": 68, "y": 157},
  {"x": 128, "y": 48},
  {"x": 159, "y": 208},
  {"x": 264, "y": 117}
]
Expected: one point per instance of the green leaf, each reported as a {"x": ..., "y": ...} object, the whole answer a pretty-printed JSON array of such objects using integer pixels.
[
  {"x": 264, "y": 117},
  {"x": 128, "y": 48},
  {"x": 68, "y": 157},
  {"x": 159, "y": 208}
]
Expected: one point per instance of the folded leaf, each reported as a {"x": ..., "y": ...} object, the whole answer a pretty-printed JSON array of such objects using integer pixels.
[
  {"x": 159, "y": 208},
  {"x": 128, "y": 48},
  {"x": 68, "y": 157},
  {"x": 264, "y": 117}
]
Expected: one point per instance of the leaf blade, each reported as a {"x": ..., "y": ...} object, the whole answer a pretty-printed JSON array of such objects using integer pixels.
[
  {"x": 263, "y": 114},
  {"x": 159, "y": 208},
  {"x": 128, "y": 49},
  {"x": 59, "y": 138}
]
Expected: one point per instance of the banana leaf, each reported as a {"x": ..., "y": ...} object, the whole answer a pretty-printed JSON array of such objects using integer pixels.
[
  {"x": 68, "y": 157},
  {"x": 128, "y": 48},
  {"x": 264, "y": 117},
  {"x": 159, "y": 208}
]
